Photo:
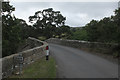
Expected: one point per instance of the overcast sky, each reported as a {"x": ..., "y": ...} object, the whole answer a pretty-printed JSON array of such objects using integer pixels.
[{"x": 77, "y": 13}]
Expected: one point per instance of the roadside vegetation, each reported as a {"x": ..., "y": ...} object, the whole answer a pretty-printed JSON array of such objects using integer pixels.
[
  {"x": 15, "y": 31},
  {"x": 39, "y": 69},
  {"x": 48, "y": 23},
  {"x": 106, "y": 30}
]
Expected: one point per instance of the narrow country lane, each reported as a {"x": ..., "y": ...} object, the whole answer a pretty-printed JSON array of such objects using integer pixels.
[{"x": 75, "y": 63}]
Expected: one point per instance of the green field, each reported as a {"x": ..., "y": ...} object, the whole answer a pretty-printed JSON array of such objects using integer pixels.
[{"x": 39, "y": 69}]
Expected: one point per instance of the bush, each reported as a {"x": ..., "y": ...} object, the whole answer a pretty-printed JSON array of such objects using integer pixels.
[
  {"x": 115, "y": 54},
  {"x": 42, "y": 38}
]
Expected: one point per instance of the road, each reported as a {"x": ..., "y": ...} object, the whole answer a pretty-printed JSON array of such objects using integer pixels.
[{"x": 75, "y": 63}]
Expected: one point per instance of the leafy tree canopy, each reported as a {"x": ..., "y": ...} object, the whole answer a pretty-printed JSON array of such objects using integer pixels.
[{"x": 46, "y": 21}]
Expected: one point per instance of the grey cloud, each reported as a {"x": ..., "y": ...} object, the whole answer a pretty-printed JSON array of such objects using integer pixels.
[{"x": 77, "y": 13}]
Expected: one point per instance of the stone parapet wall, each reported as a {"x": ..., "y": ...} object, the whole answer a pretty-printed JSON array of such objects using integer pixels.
[
  {"x": 91, "y": 46},
  {"x": 11, "y": 64}
]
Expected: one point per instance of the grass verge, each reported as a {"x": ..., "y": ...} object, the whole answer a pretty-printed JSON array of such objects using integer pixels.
[{"x": 39, "y": 69}]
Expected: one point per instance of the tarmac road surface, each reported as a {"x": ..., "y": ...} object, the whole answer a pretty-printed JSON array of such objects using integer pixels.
[{"x": 75, "y": 63}]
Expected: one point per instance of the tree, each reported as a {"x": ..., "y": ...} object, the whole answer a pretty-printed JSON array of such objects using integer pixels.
[
  {"x": 12, "y": 33},
  {"x": 106, "y": 30},
  {"x": 116, "y": 19},
  {"x": 92, "y": 32},
  {"x": 46, "y": 21},
  {"x": 25, "y": 30},
  {"x": 65, "y": 31},
  {"x": 7, "y": 28},
  {"x": 79, "y": 33}
]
